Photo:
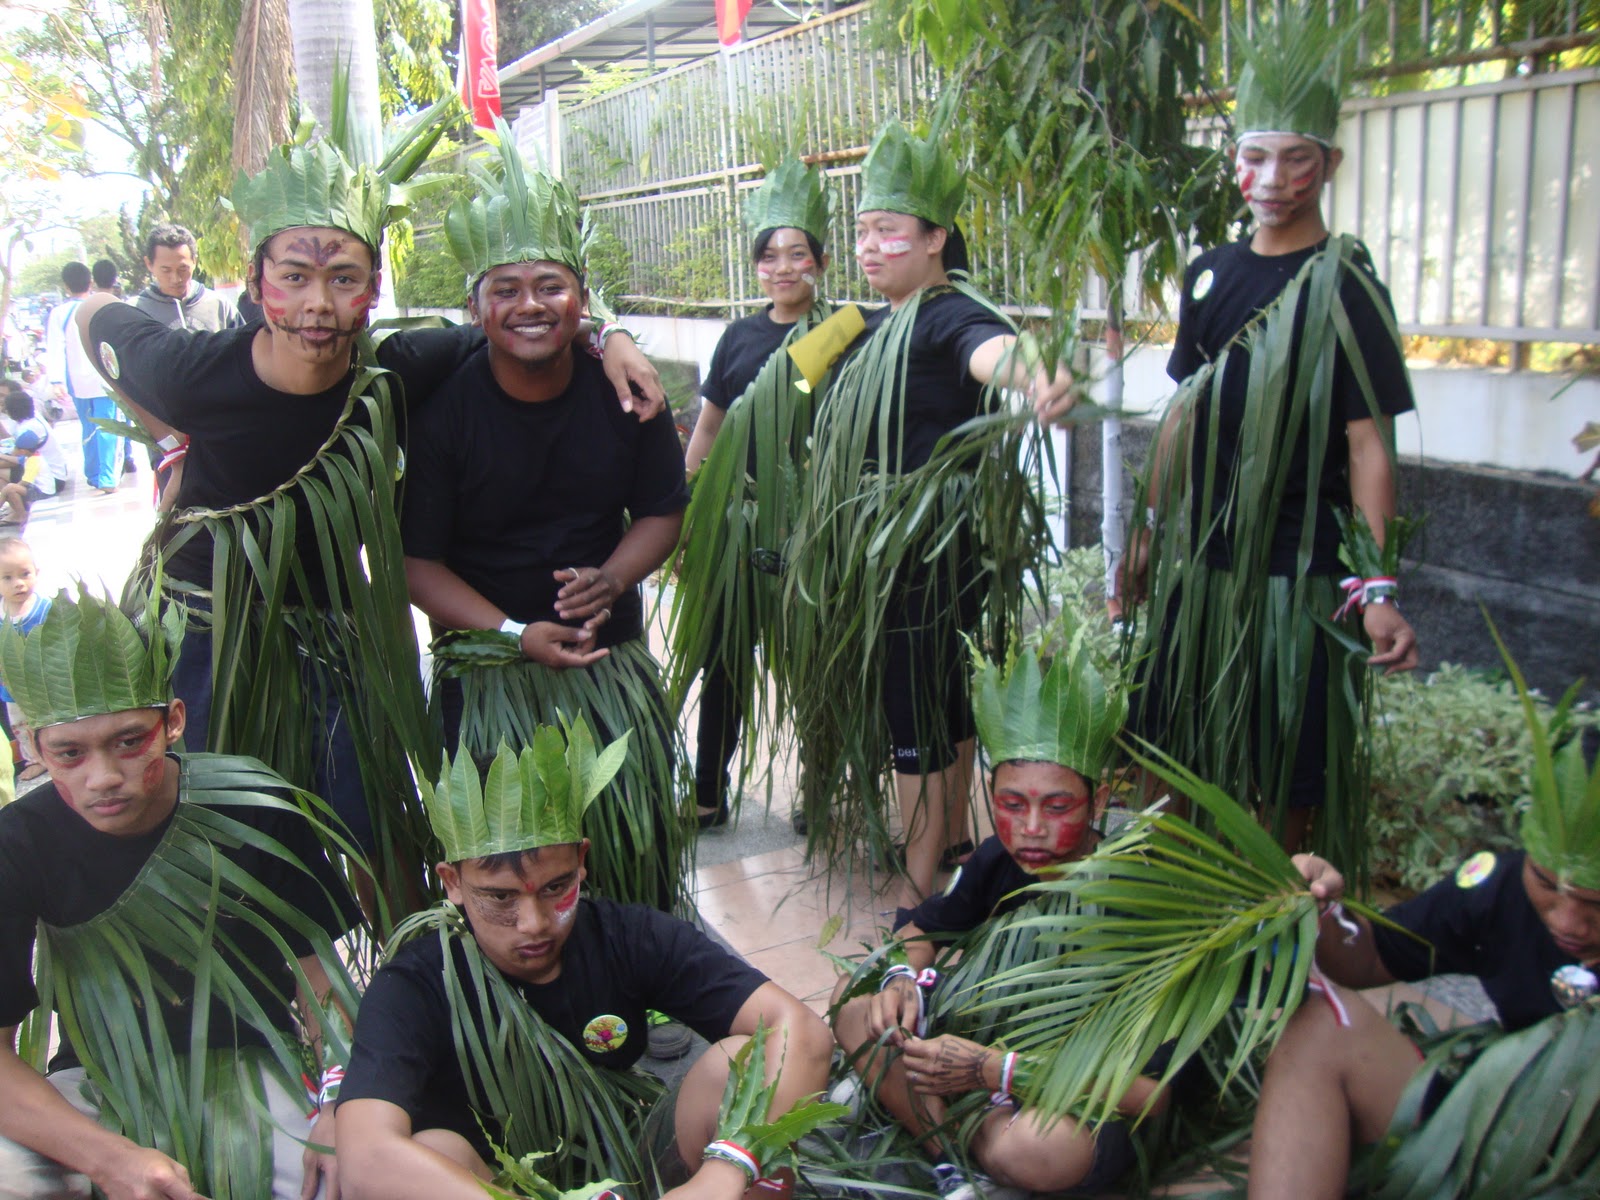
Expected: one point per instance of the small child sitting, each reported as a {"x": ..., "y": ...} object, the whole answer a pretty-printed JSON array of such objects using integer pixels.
[
  {"x": 23, "y": 607},
  {"x": 1048, "y": 734}
]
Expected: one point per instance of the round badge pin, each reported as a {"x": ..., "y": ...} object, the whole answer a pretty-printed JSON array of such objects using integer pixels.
[
  {"x": 1475, "y": 870},
  {"x": 1574, "y": 984},
  {"x": 1202, "y": 284},
  {"x": 605, "y": 1033},
  {"x": 108, "y": 360}
]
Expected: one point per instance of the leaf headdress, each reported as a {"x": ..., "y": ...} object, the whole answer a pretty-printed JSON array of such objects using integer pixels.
[
  {"x": 1293, "y": 77},
  {"x": 88, "y": 658},
  {"x": 791, "y": 197},
  {"x": 905, "y": 173},
  {"x": 533, "y": 799},
  {"x": 1063, "y": 712}
]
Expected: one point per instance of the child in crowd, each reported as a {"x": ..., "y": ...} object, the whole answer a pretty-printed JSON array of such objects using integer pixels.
[
  {"x": 23, "y": 607},
  {"x": 36, "y": 464}
]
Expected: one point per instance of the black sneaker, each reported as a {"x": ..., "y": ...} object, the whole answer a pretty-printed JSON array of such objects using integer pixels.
[{"x": 668, "y": 1039}]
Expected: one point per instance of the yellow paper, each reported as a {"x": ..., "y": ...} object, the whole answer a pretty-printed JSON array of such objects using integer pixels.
[{"x": 815, "y": 353}]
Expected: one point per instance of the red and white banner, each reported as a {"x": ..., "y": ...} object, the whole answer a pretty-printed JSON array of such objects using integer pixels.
[
  {"x": 480, "y": 68},
  {"x": 730, "y": 20}
]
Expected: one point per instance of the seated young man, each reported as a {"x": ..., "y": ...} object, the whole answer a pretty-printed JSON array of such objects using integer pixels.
[
  {"x": 556, "y": 987},
  {"x": 1518, "y": 922},
  {"x": 1048, "y": 760},
  {"x": 180, "y": 905}
]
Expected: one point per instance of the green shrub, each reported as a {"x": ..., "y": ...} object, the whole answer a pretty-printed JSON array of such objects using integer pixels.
[{"x": 1450, "y": 754}]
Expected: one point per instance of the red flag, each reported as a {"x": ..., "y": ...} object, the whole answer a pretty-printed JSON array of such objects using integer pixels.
[
  {"x": 730, "y": 18},
  {"x": 480, "y": 77}
]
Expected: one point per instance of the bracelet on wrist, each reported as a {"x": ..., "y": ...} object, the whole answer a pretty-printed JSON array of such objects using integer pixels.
[
  {"x": 730, "y": 1152},
  {"x": 513, "y": 629},
  {"x": 169, "y": 443},
  {"x": 332, "y": 1077}
]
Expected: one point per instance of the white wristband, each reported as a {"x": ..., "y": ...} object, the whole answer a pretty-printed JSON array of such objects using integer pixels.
[
  {"x": 170, "y": 443},
  {"x": 514, "y": 628}
]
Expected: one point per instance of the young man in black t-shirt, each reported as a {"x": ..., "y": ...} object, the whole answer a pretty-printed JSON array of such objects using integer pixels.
[
  {"x": 415, "y": 1122},
  {"x": 1335, "y": 1078},
  {"x": 126, "y": 829},
  {"x": 535, "y": 510},
  {"x": 1314, "y": 435},
  {"x": 1047, "y": 733}
]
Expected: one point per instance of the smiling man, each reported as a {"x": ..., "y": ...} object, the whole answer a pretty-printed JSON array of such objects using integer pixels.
[
  {"x": 517, "y": 1014},
  {"x": 184, "y": 912},
  {"x": 535, "y": 510},
  {"x": 288, "y": 504}
]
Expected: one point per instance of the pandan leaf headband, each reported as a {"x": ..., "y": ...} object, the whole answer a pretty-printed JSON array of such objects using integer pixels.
[
  {"x": 907, "y": 174},
  {"x": 1293, "y": 77},
  {"x": 88, "y": 658},
  {"x": 324, "y": 182},
  {"x": 791, "y": 197},
  {"x": 1561, "y": 825},
  {"x": 520, "y": 214},
  {"x": 533, "y": 799},
  {"x": 1065, "y": 713}
]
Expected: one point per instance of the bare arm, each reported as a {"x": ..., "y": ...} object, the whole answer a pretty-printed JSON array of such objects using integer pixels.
[
  {"x": 380, "y": 1160},
  {"x": 996, "y": 362},
  {"x": 626, "y": 367},
  {"x": 1348, "y": 959},
  {"x": 318, "y": 1165},
  {"x": 590, "y": 590},
  {"x": 82, "y": 315},
  {"x": 949, "y": 1066},
  {"x": 452, "y": 601},
  {"x": 37, "y": 1116},
  {"x": 705, "y": 433},
  {"x": 1373, "y": 494}
]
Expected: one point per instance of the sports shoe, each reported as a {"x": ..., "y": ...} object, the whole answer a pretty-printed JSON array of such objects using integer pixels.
[
  {"x": 955, "y": 1184},
  {"x": 667, "y": 1039}
]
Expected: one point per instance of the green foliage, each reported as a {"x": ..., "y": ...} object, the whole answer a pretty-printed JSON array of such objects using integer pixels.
[
  {"x": 526, "y": 25},
  {"x": 692, "y": 264},
  {"x": 1451, "y": 754},
  {"x": 1078, "y": 107}
]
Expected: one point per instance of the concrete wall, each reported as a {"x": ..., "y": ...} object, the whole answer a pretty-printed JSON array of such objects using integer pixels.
[{"x": 1520, "y": 544}]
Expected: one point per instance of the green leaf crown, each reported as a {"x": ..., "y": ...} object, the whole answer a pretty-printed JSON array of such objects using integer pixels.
[
  {"x": 325, "y": 182},
  {"x": 907, "y": 174},
  {"x": 520, "y": 214},
  {"x": 791, "y": 197},
  {"x": 1067, "y": 713},
  {"x": 533, "y": 799},
  {"x": 1293, "y": 77},
  {"x": 88, "y": 658},
  {"x": 1561, "y": 825}
]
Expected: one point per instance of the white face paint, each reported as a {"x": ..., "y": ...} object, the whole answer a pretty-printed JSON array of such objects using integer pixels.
[
  {"x": 894, "y": 247},
  {"x": 763, "y": 272},
  {"x": 862, "y": 246},
  {"x": 808, "y": 279}
]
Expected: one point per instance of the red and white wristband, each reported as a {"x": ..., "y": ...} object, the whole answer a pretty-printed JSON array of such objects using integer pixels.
[
  {"x": 723, "y": 1150},
  {"x": 1359, "y": 592}
]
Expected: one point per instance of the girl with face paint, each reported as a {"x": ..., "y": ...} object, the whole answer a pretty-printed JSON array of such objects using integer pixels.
[{"x": 789, "y": 261}]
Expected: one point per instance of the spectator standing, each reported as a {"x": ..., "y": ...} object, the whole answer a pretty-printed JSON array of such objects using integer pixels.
[{"x": 68, "y": 367}]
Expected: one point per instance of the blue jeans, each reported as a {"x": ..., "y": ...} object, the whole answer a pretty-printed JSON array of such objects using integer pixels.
[
  {"x": 100, "y": 458},
  {"x": 338, "y": 770}
]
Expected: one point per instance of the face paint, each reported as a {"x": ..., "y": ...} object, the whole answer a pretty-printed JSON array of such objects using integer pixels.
[
  {"x": 495, "y": 910},
  {"x": 1300, "y": 186},
  {"x": 567, "y": 903},
  {"x": 808, "y": 279},
  {"x": 142, "y": 747},
  {"x": 862, "y": 246},
  {"x": 763, "y": 272},
  {"x": 894, "y": 247},
  {"x": 273, "y": 303},
  {"x": 319, "y": 252},
  {"x": 1246, "y": 175}
]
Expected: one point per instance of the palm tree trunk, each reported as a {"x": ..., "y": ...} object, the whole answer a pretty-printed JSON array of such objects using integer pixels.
[{"x": 327, "y": 33}]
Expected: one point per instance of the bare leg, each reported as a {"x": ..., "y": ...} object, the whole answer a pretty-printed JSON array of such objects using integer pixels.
[
  {"x": 1326, "y": 1088},
  {"x": 883, "y": 1070},
  {"x": 933, "y": 812},
  {"x": 1018, "y": 1150},
  {"x": 450, "y": 1144}
]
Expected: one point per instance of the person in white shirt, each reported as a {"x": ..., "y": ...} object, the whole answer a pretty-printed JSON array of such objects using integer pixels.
[{"x": 68, "y": 367}]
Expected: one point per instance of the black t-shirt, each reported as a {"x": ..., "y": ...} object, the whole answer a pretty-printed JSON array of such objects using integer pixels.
[
  {"x": 1479, "y": 922},
  {"x": 939, "y": 394},
  {"x": 620, "y": 960},
  {"x": 981, "y": 888},
  {"x": 741, "y": 352},
  {"x": 248, "y": 439},
  {"x": 57, "y": 868},
  {"x": 1235, "y": 283},
  {"x": 505, "y": 493}
]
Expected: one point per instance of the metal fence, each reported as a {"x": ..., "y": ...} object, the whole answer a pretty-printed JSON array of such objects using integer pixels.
[{"x": 1481, "y": 203}]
